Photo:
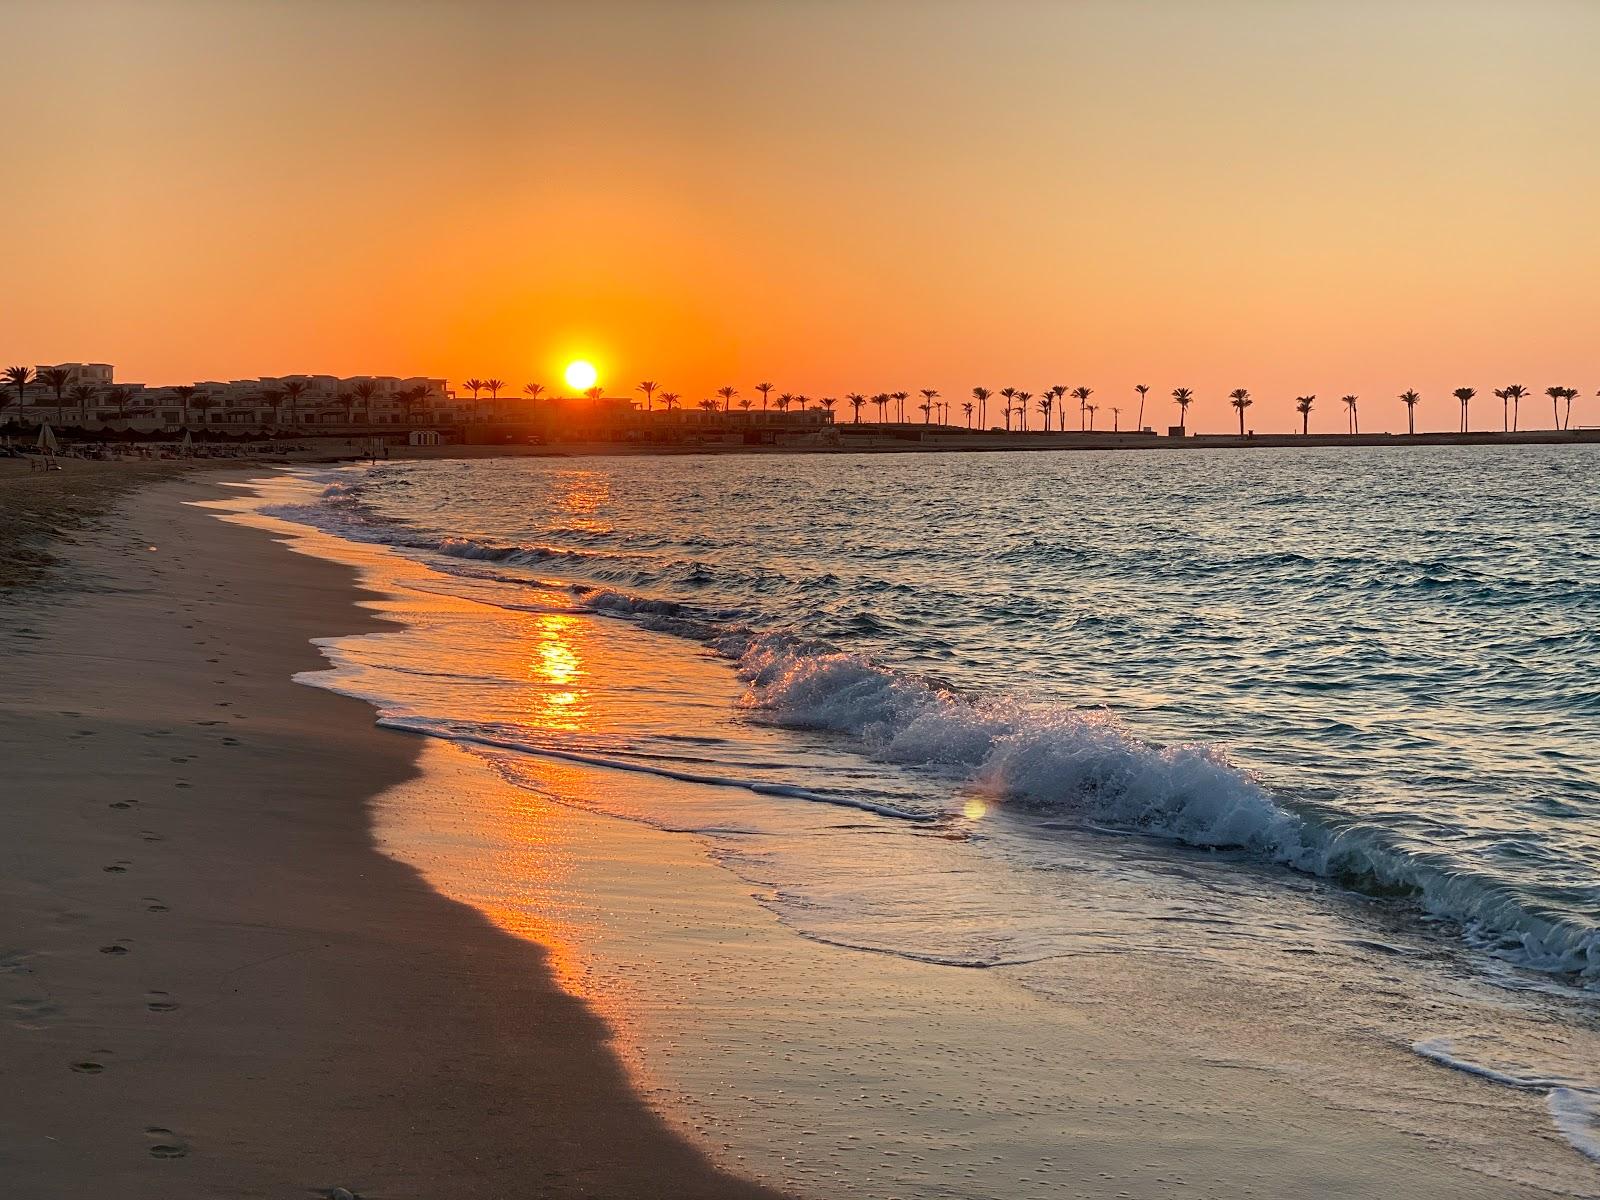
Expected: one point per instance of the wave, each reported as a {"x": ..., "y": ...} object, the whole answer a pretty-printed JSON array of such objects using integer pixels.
[
  {"x": 1090, "y": 768},
  {"x": 481, "y": 736},
  {"x": 1574, "y": 1106}
]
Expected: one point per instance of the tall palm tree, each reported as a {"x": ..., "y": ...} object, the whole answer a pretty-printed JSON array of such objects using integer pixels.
[
  {"x": 1081, "y": 395},
  {"x": 708, "y": 405},
  {"x": 926, "y": 409},
  {"x": 55, "y": 378},
  {"x": 1116, "y": 419},
  {"x": 1516, "y": 392},
  {"x": 1555, "y": 394},
  {"x": 364, "y": 390},
  {"x": 594, "y": 393},
  {"x": 20, "y": 378},
  {"x": 881, "y": 399},
  {"x": 1570, "y": 394},
  {"x": 981, "y": 395},
  {"x": 1091, "y": 409},
  {"x": 204, "y": 404},
  {"x": 118, "y": 400},
  {"x": 856, "y": 400},
  {"x": 900, "y": 399},
  {"x": 80, "y": 395},
  {"x": 1355, "y": 416},
  {"x": 1022, "y": 411},
  {"x": 1303, "y": 407},
  {"x": 493, "y": 386},
  {"x": 534, "y": 390},
  {"x": 1057, "y": 392},
  {"x": 1183, "y": 397},
  {"x": 763, "y": 388},
  {"x": 669, "y": 400},
  {"x": 1409, "y": 398},
  {"x": 828, "y": 403},
  {"x": 1047, "y": 401},
  {"x": 473, "y": 385},
  {"x": 745, "y": 402},
  {"x": 1141, "y": 388},
  {"x": 727, "y": 394},
  {"x": 293, "y": 390},
  {"x": 930, "y": 395},
  {"x": 1464, "y": 395},
  {"x": 648, "y": 387},
  {"x": 966, "y": 407},
  {"x": 1504, "y": 397},
  {"x": 801, "y": 400},
  {"x": 784, "y": 401},
  {"x": 1010, "y": 393},
  {"x": 1240, "y": 399}
]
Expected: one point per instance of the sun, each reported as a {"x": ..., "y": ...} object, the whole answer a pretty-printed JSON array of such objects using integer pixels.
[{"x": 581, "y": 375}]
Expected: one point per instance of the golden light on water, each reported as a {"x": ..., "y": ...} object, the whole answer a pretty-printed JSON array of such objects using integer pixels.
[
  {"x": 974, "y": 809},
  {"x": 556, "y": 666},
  {"x": 581, "y": 375}
]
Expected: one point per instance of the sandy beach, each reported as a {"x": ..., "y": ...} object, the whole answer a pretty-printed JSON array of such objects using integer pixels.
[{"x": 212, "y": 983}]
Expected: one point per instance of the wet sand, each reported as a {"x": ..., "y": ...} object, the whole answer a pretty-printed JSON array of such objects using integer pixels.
[{"x": 211, "y": 983}]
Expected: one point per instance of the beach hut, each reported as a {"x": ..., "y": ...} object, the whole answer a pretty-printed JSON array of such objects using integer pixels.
[{"x": 47, "y": 443}]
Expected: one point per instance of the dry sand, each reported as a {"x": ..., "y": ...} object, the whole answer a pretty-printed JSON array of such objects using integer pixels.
[{"x": 211, "y": 983}]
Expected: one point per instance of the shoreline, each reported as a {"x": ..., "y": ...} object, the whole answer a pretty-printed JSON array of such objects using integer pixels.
[{"x": 213, "y": 981}]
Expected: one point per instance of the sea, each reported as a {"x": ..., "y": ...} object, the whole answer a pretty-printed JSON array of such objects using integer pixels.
[{"x": 1327, "y": 718}]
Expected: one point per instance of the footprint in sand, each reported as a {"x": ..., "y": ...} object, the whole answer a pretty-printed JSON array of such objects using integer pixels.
[
  {"x": 167, "y": 1144},
  {"x": 114, "y": 948},
  {"x": 231, "y": 741},
  {"x": 120, "y": 804},
  {"x": 182, "y": 784},
  {"x": 160, "y": 1002},
  {"x": 116, "y": 868},
  {"x": 88, "y": 1068},
  {"x": 151, "y": 904}
]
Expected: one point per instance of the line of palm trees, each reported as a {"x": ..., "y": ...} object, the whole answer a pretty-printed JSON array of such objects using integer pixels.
[{"x": 1053, "y": 399}]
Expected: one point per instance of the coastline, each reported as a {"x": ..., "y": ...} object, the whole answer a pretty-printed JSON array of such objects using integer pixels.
[{"x": 213, "y": 982}]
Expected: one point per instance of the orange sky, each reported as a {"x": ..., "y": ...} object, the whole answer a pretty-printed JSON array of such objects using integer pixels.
[{"x": 1289, "y": 197}]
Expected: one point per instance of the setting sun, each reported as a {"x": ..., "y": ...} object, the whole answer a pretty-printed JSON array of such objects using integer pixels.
[{"x": 581, "y": 375}]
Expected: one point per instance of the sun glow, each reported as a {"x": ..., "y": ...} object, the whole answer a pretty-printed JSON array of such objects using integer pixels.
[{"x": 581, "y": 375}]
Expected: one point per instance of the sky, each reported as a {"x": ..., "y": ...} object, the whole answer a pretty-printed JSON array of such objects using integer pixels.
[{"x": 1290, "y": 197}]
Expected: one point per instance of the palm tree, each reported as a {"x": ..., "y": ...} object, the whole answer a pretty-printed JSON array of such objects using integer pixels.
[
  {"x": 1570, "y": 395},
  {"x": 205, "y": 404},
  {"x": 648, "y": 387},
  {"x": 1081, "y": 395},
  {"x": 1515, "y": 393},
  {"x": 1141, "y": 388},
  {"x": 184, "y": 392},
  {"x": 708, "y": 405},
  {"x": 881, "y": 399},
  {"x": 1555, "y": 394},
  {"x": 669, "y": 400},
  {"x": 1240, "y": 399},
  {"x": 594, "y": 393},
  {"x": 1409, "y": 398},
  {"x": 1091, "y": 409},
  {"x": 966, "y": 407},
  {"x": 55, "y": 378},
  {"x": 783, "y": 402},
  {"x": 930, "y": 395},
  {"x": 1183, "y": 397},
  {"x": 1355, "y": 417},
  {"x": 1047, "y": 400},
  {"x": 1010, "y": 394},
  {"x": 1022, "y": 411},
  {"x": 801, "y": 401},
  {"x": 1464, "y": 395},
  {"x": 855, "y": 400},
  {"x": 534, "y": 390},
  {"x": 745, "y": 402},
  {"x": 727, "y": 394},
  {"x": 20, "y": 378},
  {"x": 1057, "y": 392},
  {"x": 365, "y": 390},
  {"x": 1303, "y": 407},
  {"x": 493, "y": 386},
  {"x": 475, "y": 386},
  {"x": 763, "y": 388},
  {"x": 900, "y": 399},
  {"x": 274, "y": 398},
  {"x": 1504, "y": 397},
  {"x": 1116, "y": 419},
  {"x": 981, "y": 395},
  {"x": 294, "y": 389},
  {"x": 81, "y": 394},
  {"x": 926, "y": 410},
  {"x": 117, "y": 399}
]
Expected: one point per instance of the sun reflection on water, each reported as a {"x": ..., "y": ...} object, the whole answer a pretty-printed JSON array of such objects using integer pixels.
[{"x": 556, "y": 669}]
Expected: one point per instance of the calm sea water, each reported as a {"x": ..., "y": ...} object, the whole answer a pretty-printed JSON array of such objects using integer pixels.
[{"x": 1322, "y": 707}]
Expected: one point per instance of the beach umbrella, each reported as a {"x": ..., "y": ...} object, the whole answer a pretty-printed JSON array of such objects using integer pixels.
[
  {"x": 47, "y": 439},
  {"x": 187, "y": 446}
]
